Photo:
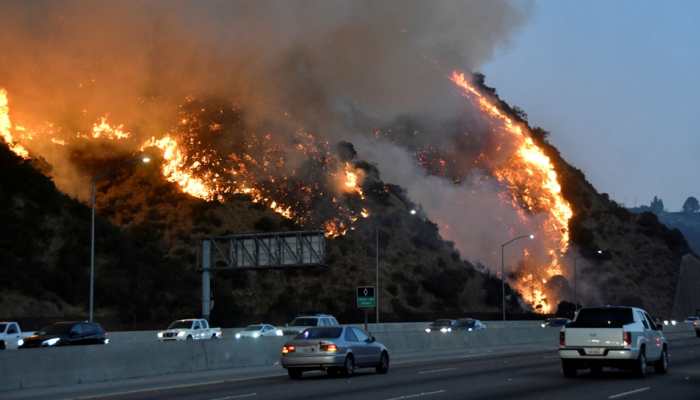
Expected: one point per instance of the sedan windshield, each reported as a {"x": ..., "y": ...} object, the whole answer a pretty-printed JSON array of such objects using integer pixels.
[
  {"x": 305, "y": 322},
  {"x": 320, "y": 333},
  {"x": 181, "y": 325},
  {"x": 55, "y": 329},
  {"x": 253, "y": 328}
]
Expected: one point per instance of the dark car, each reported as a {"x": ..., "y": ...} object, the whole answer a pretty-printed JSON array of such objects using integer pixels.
[
  {"x": 67, "y": 334},
  {"x": 469, "y": 325},
  {"x": 555, "y": 322},
  {"x": 441, "y": 326}
]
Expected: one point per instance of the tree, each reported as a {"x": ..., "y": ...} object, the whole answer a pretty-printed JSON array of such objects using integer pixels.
[
  {"x": 657, "y": 205},
  {"x": 691, "y": 205}
]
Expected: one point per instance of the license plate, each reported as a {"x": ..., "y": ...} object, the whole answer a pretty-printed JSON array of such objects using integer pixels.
[
  {"x": 594, "y": 351},
  {"x": 305, "y": 349}
]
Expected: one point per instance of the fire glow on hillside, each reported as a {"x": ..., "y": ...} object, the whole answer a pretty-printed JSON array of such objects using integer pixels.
[
  {"x": 533, "y": 183},
  {"x": 268, "y": 170}
]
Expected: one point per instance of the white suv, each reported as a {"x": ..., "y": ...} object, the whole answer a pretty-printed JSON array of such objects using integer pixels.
[{"x": 620, "y": 337}]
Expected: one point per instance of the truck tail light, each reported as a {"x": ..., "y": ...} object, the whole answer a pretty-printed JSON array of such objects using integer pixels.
[
  {"x": 627, "y": 339},
  {"x": 562, "y": 339},
  {"x": 330, "y": 347},
  {"x": 288, "y": 348}
]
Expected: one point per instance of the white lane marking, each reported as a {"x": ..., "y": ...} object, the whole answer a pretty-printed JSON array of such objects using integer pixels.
[
  {"x": 436, "y": 371},
  {"x": 238, "y": 396},
  {"x": 623, "y": 394},
  {"x": 172, "y": 387},
  {"x": 416, "y": 395}
]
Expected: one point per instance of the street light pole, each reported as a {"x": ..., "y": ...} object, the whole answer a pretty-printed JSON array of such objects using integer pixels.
[
  {"x": 92, "y": 248},
  {"x": 93, "y": 195},
  {"x": 377, "y": 277},
  {"x": 503, "y": 276}
]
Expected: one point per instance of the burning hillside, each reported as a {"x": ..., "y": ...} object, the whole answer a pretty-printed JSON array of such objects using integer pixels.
[{"x": 209, "y": 153}]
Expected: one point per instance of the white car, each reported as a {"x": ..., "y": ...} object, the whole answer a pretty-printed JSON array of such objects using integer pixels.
[
  {"x": 10, "y": 335},
  {"x": 620, "y": 337},
  {"x": 189, "y": 329},
  {"x": 256, "y": 331},
  {"x": 300, "y": 323}
]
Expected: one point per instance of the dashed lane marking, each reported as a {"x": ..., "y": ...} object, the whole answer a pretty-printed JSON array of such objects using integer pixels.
[{"x": 631, "y": 392}]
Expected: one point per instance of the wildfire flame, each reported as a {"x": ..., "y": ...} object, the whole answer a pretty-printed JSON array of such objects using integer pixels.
[
  {"x": 532, "y": 180},
  {"x": 6, "y": 126}
]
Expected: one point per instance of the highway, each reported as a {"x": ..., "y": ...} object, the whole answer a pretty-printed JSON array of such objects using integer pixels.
[{"x": 533, "y": 375}]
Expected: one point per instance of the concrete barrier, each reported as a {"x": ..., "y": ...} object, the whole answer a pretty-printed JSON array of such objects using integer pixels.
[{"x": 135, "y": 355}]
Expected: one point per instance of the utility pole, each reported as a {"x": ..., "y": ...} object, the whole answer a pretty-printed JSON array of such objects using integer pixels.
[{"x": 92, "y": 248}]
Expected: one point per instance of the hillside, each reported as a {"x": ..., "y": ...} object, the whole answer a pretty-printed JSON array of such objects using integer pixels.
[
  {"x": 687, "y": 223},
  {"x": 641, "y": 258},
  {"x": 146, "y": 256}
]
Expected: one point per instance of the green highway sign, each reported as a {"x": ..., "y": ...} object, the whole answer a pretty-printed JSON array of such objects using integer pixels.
[{"x": 365, "y": 297}]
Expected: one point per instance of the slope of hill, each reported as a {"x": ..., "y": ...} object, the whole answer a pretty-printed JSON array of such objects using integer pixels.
[
  {"x": 641, "y": 257},
  {"x": 687, "y": 223},
  {"x": 147, "y": 245}
]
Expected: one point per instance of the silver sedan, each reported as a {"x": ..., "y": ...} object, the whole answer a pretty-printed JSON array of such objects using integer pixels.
[{"x": 336, "y": 350}]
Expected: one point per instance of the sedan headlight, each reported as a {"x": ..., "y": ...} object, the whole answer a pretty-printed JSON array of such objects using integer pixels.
[
  {"x": 51, "y": 342},
  {"x": 20, "y": 342},
  {"x": 443, "y": 330},
  {"x": 543, "y": 325},
  {"x": 256, "y": 335},
  {"x": 279, "y": 332},
  {"x": 470, "y": 329},
  {"x": 674, "y": 322},
  {"x": 181, "y": 334},
  {"x": 160, "y": 335},
  {"x": 427, "y": 330},
  {"x": 666, "y": 322},
  {"x": 238, "y": 336}
]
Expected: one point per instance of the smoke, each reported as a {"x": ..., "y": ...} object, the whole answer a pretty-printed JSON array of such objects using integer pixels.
[{"x": 474, "y": 214}]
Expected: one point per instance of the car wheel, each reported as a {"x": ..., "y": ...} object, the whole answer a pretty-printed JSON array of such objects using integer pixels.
[
  {"x": 214, "y": 336},
  {"x": 661, "y": 366},
  {"x": 349, "y": 366},
  {"x": 189, "y": 337},
  {"x": 383, "y": 366},
  {"x": 568, "y": 368},
  {"x": 640, "y": 369},
  {"x": 294, "y": 373}
]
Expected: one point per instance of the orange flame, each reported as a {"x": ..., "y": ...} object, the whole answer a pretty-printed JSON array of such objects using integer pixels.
[
  {"x": 104, "y": 129},
  {"x": 532, "y": 179},
  {"x": 6, "y": 127}
]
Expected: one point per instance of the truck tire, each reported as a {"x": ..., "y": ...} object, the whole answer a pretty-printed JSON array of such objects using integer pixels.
[
  {"x": 661, "y": 366},
  {"x": 640, "y": 367},
  {"x": 568, "y": 368}
]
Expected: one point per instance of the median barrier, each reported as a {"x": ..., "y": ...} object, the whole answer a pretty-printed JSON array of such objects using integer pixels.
[{"x": 141, "y": 355}]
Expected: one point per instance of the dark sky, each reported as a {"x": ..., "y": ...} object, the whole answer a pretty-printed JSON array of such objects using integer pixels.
[{"x": 617, "y": 83}]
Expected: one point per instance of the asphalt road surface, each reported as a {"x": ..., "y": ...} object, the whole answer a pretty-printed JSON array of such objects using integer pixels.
[{"x": 524, "y": 376}]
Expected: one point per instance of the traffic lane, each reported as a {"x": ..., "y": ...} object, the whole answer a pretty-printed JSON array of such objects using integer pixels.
[{"x": 535, "y": 376}]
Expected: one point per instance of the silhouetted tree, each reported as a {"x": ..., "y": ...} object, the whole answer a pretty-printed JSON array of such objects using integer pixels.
[
  {"x": 691, "y": 205},
  {"x": 657, "y": 205}
]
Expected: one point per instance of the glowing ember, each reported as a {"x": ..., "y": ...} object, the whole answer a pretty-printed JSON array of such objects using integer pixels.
[
  {"x": 532, "y": 181},
  {"x": 6, "y": 127}
]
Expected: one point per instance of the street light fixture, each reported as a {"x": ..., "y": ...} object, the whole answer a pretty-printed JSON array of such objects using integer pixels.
[
  {"x": 93, "y": 185},
  {"x": 503, "y": 277}
]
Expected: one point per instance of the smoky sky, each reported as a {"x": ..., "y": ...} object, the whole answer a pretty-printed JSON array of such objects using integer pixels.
[{"x": 335, "y": 68}]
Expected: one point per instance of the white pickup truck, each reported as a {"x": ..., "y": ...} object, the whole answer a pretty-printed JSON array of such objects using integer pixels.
[
  {"x": 620, "y": 337},
  {"x": 189, "y": 329},
  {"x": 10, "y": 335}
]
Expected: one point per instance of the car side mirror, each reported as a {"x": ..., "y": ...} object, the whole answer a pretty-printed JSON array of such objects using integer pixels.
[{"x": 371, "y": 339}]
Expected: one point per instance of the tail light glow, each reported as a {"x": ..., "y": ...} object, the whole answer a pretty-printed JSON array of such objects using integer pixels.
[
  {"x": 332, "y": 348},
  {"x": 286, "y": 349},
  {"x": 627, "y": 339},
  {"x": 562, "y": 339}
]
